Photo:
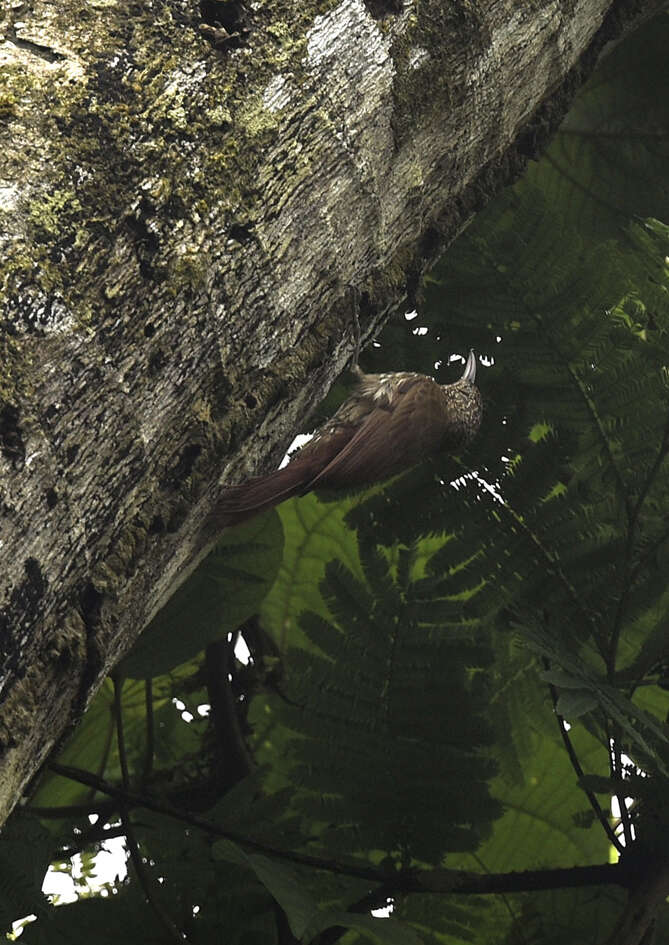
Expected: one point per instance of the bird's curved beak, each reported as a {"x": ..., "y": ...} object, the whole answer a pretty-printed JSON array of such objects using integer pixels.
[{"x": 470, "y": 368}]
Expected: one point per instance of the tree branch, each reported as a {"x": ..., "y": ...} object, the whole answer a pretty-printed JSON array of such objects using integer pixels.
[{"x": 462, "y": 882}]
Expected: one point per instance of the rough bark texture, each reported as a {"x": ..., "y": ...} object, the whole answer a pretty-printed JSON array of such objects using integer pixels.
[{"x": 182, "y": 217}]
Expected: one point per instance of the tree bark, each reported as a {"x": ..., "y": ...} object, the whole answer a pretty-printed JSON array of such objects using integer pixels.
[{"x": 183, "y": 213}]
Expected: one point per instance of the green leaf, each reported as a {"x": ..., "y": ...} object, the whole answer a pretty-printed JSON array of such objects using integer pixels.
[
  {"x": 547, "y": 822},
  {"x": 305, "y": 916},
  {"x": 371, "y": 681},
  {"x": 561, "y": 679},
  {"x": 314, "y": 535},
  {"x": 576, "y": 702},
  {"x": 280, "y": 879},
  {"x": 227, "y": 588}
]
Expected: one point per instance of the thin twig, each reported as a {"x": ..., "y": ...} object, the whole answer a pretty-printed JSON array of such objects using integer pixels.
[
  {"x": 106, "y": 750},
  {"x": 150, "y": 731},
  {"x": 133, "y": 848},
  {"x": 618, "y": 774},
  {"x": 576, "y": 765}
]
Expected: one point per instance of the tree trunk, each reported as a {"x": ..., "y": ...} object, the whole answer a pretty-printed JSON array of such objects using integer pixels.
[{"x": 185, "y": 211}]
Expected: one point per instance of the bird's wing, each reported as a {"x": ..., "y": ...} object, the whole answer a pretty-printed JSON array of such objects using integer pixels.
[
  {"x": 390, "y": 439},
  {"x": 366, "y": 443}
]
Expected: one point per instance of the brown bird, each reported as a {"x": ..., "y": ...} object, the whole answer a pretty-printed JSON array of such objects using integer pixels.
[{"x": 389, "y": 423}]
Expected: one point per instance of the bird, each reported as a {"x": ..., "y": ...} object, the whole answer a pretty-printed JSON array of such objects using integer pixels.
[{"x": 389, "y": 424}]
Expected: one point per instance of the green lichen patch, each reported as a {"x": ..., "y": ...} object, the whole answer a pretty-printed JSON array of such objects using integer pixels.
[
  {"x": 55, "y": 212},
  {"x": 8, "y": 105},
  {"x": 163, "y": 129}
]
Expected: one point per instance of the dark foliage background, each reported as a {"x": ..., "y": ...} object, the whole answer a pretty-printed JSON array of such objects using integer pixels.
[{"x": 415, "y": 650}]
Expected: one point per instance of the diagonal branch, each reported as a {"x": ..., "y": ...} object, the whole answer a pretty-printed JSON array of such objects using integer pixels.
[
  {"x": 463, "y": 882},
  {"x": 576, "y": 765}
]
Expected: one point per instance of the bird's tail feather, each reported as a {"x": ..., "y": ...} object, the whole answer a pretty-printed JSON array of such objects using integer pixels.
[{"x": 242, "y": 502}]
